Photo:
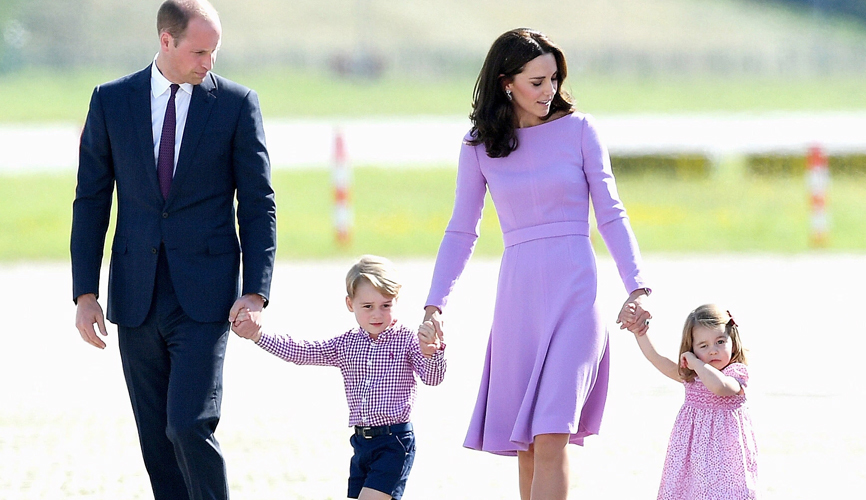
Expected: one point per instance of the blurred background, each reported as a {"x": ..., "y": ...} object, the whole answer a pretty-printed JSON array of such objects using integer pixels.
[
  {"x": 447, "y": 38},
  {"x": 711, "y": 110}
]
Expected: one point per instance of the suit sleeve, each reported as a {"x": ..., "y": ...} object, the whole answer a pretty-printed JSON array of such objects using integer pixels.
[
  {"x": 92, "y": 206},
  {"x": 256, "y": 212}
]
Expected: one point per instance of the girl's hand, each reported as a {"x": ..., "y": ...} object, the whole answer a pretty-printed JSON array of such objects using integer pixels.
[
  {"x": 625, "y": 316},
  {"x": 717, "y": 382},
  {"x": 634, "y": 314},
  {"x": 689, "y": 360}
]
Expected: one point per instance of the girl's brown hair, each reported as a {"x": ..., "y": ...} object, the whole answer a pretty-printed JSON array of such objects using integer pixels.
[
  {"x": 493, "y": 116},
  {"x": 710, "y": 316}
]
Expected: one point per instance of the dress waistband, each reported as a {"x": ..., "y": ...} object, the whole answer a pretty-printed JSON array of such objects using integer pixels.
[{"x": 550, "y": 230}]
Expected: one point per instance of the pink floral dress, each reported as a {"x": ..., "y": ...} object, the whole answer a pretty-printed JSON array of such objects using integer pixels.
[{"x": 712, "y": 453}]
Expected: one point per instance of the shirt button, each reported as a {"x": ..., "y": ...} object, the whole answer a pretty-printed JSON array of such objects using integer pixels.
[
  {"x": 165, "y": 215},
  {"x": 154, "y": 250}
]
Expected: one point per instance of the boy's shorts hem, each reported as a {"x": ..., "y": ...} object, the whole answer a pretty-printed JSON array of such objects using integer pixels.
[{"x": 381, "y": 463}]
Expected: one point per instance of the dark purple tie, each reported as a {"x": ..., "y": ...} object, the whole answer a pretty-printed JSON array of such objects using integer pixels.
[{"x": 165, "y": 163}]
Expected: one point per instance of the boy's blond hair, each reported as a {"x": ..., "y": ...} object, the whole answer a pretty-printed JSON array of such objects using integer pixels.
[{"x": 378, "y": 271}]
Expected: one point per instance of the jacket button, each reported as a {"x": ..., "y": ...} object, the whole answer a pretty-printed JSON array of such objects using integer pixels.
[
  {"x": 154, "y": 250},
  {"x": 165, "y": 215}
]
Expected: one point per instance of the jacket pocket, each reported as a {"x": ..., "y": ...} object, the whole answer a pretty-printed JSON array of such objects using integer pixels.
[{"x": 222, "y": 244}]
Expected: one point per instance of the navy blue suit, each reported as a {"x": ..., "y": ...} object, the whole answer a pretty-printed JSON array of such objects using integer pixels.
[{"x": 175, "y": 262}]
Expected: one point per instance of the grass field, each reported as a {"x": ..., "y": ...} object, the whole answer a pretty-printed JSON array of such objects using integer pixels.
[
  {"x": 403, "y": 213},
  {"x": 43, "y": 96}
]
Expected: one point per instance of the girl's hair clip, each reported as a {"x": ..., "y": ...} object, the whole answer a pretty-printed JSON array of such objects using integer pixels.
[{"x": 731, "y": 321}]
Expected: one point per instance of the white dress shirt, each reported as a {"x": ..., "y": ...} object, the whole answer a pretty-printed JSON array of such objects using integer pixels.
[{"x": 160, "y": 92}]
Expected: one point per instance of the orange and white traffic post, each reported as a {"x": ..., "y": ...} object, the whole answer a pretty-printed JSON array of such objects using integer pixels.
[
  {"x": 818, "y": 177},
  {"x": 341, "y": 178}
]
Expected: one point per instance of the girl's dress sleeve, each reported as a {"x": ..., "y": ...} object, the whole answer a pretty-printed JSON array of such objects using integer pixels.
[
  {"x": 462, "y": 231},
  {"x": 613, "y": 223},
  {"x": 738, "y": 371}
]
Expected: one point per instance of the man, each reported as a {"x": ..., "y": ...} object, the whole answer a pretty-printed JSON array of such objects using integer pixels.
[{"x": 179, "y": 143}]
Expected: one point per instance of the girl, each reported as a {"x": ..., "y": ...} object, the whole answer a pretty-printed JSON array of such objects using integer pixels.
[{"x": 712, "y": 453}]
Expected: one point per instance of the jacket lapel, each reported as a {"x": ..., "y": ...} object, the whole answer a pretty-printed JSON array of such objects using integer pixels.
[
  {"x": 139, "y": 104},
  {"x": 200, "y": 106}
]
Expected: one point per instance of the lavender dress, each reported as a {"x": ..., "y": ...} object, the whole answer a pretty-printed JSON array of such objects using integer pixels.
[{"x": 546, "y": 368}]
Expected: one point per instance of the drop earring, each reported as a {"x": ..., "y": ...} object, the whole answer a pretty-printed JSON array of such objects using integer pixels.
[{"x": 508, "y": 94}]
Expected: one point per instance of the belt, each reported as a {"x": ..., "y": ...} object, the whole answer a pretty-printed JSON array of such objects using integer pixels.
[
  {"x": 368, "y": 432},
  {"x": 549, "y": 230}
]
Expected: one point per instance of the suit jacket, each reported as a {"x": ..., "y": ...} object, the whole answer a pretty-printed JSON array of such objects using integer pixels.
[{"x": 222, "y": 153}]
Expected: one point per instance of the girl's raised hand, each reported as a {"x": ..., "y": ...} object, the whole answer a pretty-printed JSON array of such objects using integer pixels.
[{"x": 688, "y": 360}]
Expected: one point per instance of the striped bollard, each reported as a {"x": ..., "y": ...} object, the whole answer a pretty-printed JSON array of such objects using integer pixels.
[
  {"x": 818, "y": 179},
  {"x": 341, "y": 177}
]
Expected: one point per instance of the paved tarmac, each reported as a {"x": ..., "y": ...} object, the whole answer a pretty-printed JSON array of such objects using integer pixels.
[
  {"x": 435, "y": 140},
  {"x": 66, "y": 428}
]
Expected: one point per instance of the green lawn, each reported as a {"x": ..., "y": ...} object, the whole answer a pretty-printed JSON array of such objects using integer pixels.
[
  {"x": 51, "y": 96},
  {"x": 404, "y": 212}
]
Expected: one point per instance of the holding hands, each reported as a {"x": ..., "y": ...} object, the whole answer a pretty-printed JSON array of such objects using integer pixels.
[
  {"x": 430, "y": 337},
  {"x": 634, "y": 314},
  {"x": 246, "y": 324}
]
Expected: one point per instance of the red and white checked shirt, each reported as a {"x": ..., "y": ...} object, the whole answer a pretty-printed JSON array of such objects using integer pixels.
[{"x": 379, "y": 375}]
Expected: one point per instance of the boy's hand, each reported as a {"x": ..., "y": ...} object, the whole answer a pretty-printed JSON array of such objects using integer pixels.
[
  {"x": 246, "y": 325},
  {"x": 428, "y": 340}
]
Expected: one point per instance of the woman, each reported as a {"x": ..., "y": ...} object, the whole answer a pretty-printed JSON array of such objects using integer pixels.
[{"x": 545, "y": 375}]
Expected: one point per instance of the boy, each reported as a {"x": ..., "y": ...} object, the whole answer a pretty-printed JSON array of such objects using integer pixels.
[{"x": 378, "y": 360}]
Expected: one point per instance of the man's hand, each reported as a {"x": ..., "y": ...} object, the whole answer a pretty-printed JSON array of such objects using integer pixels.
[
  {"x": 245, "y": 327},
  {"x": 87, "y": 313},
  {"x": 253, "y": 303}
]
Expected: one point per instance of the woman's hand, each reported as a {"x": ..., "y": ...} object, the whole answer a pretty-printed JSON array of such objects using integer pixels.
[
  {"x": 432, "y": 313},
  {"x": 634, "y": 314},
  {"x": 428, "y": 340}
]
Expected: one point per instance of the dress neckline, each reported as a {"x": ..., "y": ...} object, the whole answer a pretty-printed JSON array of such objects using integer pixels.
[{"x": 548, "y": 122}]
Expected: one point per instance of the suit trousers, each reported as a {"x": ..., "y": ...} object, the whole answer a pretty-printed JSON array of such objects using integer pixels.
[{"x": 173, "y": 368}]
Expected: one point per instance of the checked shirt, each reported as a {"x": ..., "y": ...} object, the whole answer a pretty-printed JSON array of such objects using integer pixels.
[{"x": 379, "y": 375}]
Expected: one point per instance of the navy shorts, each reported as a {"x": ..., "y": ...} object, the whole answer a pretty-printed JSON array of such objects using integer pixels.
[{"x": 382, "y": 462}]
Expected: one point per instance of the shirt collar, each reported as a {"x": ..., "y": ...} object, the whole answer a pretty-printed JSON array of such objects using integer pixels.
[
  {"x": 159, "y": 83},
  {"x": 382, "y": 336}
]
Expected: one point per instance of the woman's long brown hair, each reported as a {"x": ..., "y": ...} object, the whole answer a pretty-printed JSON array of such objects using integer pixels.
[{"x": 493, "y": 117}]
